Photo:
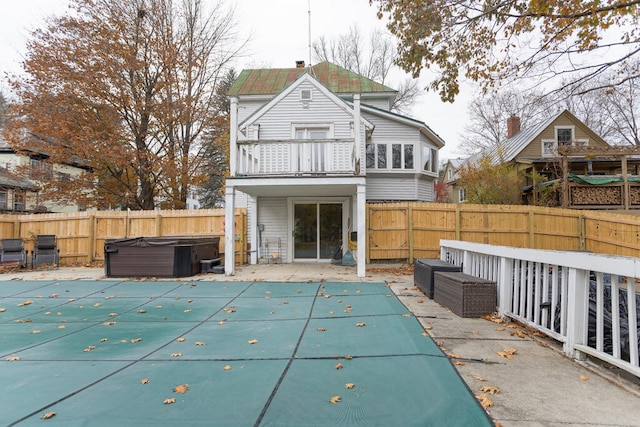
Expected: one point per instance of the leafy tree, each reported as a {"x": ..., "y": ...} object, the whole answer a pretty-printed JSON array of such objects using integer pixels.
[
  {"x": 373, "y": 59},
  {"x": 127, "y": 88},
  {"x": 491, "y": 42},
  {"x": 489, "y": 183}
]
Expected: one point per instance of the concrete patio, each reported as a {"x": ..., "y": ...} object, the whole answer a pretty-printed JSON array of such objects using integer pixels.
[{"x": 537, "y": 386}]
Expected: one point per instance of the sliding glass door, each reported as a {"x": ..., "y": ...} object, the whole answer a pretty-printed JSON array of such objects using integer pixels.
[{"x": 317, "y": 230}]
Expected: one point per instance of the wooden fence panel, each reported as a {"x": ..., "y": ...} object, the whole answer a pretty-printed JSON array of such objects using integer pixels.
[
  {"x": 431, "y": 222},
  {"x": 611, "y": 233},
  {"x": 558, "y": 229},
  {"x": 388, "y": 231}
]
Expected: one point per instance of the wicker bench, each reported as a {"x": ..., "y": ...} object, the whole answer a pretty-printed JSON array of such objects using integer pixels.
[
  {"x": 465, "y": 295},
  {"x": 423, "y": 270}
]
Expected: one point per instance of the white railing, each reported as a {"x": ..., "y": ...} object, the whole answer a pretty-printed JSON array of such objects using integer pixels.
[
  {"x": 586, "y": 301},
  {"x": 286, "y": 157}
]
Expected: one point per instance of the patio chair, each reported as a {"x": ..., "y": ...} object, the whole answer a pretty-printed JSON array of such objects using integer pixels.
[
  {"x": 45, "y": 251},
  {"x": 13, "y": 251}
]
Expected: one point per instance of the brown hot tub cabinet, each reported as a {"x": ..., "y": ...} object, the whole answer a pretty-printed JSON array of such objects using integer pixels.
[{"x": 158, "y": 256}]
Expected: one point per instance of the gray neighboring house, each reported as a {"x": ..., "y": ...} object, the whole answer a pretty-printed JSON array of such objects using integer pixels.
[{"x": 309, "y": 147}]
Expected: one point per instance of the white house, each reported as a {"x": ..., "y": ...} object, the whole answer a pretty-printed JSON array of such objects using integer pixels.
[{"x": 309, "y": 146}]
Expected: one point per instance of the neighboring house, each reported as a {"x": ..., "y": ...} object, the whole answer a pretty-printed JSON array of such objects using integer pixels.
[
  {"x": 19, "y": 193},
  {"x": 450, "y": 175},
  {"x": 538, "y": 149},
  {"x": 308, "y": 148}
]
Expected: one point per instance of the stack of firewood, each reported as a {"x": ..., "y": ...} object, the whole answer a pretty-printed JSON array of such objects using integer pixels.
[{"x": 596, "y": 195}]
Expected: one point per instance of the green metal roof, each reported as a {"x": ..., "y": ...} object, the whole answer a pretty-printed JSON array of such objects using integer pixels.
[{"x": 270, "y": 81}]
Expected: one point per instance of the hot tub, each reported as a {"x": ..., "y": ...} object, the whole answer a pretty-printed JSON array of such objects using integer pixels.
[{"x": 158, "y": 256}]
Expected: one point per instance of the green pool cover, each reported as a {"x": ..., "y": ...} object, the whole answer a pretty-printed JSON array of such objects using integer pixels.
[{"x": 221, "y": 353}]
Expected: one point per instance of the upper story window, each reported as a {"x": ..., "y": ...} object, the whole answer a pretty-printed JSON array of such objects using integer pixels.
[
  {"x": 390, "y": 156},
  {"x": 429, "y": 159},
  {"x": 305, "y": 94},
  {"x": 3, "y": 200},
  {"x": 40, "y": 169},
  {"x": 564, "y": 136}
]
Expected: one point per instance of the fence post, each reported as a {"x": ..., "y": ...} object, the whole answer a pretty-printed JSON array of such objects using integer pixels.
[
  {"x": 583, "y": 232},
  {"x": 92, "y": 238},
  {"x": 532, "y": 235},
  {"x": 367, "y": 237},
  {"x": 410, "y": 232},
  {"x": 577, "y": 311},
  {"x": 158, "y": 224},
  {"x": 458, "y": 221},
  {"x": 505, "y": 286}
]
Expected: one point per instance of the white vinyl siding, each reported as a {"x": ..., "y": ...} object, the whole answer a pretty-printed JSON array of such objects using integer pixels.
[
  {"x": 392, "y": 187},
  {"x": 276, "y": 123},
  {"x": 273, "y": 215}
]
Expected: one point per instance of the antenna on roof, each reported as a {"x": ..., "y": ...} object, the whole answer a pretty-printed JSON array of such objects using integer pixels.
[{"x": 310, "y": 67}]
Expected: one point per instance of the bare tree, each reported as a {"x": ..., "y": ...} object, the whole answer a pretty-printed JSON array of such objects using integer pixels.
[
  {"x": 489, "y": 114},
  {"x": 373, "y": 60}
]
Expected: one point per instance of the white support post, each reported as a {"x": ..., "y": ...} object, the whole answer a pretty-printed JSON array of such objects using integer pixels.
[
  {"x": 505, "y": 286},
  {"x": 233, "y": 137},
  {"x": 577, "y": 311},
  {"x": 362, "y": 230},
  {"x": 467, "y": 257},
  {"x": 357, "y": 135},
  {"x": 229, "y": 231},
  {"x": 253, "y": 228}
]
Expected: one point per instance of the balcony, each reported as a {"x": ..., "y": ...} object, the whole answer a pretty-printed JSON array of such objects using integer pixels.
[{"x": 296, "y": 157}]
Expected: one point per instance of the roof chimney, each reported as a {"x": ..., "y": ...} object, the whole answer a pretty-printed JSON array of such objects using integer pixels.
[
  {"x": 513, "y": 125},
  {"x": 299, "y": 64}
]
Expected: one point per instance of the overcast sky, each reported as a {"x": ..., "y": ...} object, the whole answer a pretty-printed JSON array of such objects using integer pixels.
[{"x": 279, "y": 31}]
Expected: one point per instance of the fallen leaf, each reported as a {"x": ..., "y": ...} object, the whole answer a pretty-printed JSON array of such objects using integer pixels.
[
  {"x": 144, "y": 381},
  {"x": 459, "y": 363},
  {"x": 170, "y": 401},
  {"x": 425, "y": 334},
  {"x": 479, "y": 378},
  {"x": 181, "y": 389},
  {"x": 221, "y": 322},
  {"x": 27, "y": 302},
  {"x": 454, "y": 356},
  {"x": 113, "y": 314},
  {"x": 180, "y": 339},
  {"x": 339, "y": 366},
  {"x": 104, "y": 339},
  {"x": 142, "y": 311},
  {"x": 199, "y": 343},
  {"x": 187, "y": 310},
  {"x": 13, "y": 358},
  {"x": 584, "y": 378},
  {"x": 135, "y": 340},
  {"x": 350, "y": 385},
  {"x": 491, "y": 389},
  {"x": 361, "y": 324},
  {"x": 321, "y": 329},
  {"x": 109, "y": 323},
  {"x": 335, "y": 399},
  {"x": 428, "y": 328},
  {"x": 227, "y": 368},
  {"x": 176, "y": 354},
  {"x": 499, "y": 329},
  {"x": 512, "y": 326},
  {"x": 485, "y": 401},
  {"x": 48, "y": 415},
  {"x": 61, "y": 327},
  {"x": 36, "y": 331},
  {"x": 348, "y": 357},
  {"x": 420, "y": 301},
  {"x": 406, "y": 315},
  {"x": 254, "y": 341},
  {"x": 2, "y": 310}
]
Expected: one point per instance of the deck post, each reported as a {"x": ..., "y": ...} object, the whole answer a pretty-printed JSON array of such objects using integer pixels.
[{"x": 229, "y": 231}]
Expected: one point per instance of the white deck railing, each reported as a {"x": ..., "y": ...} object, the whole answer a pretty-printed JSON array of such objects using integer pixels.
[
  {"x": 286, "y": 157},
  {"x": 587, "y": 301}
]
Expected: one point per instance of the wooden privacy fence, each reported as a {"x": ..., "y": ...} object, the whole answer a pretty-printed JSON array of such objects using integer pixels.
[
  {"x": 81, "y": 235},
  {"x": 395, "y": 231},
  {"x": 413, "y": 230}
]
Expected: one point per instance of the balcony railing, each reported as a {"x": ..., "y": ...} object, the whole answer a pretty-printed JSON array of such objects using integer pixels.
[
  {"x": 296, "y": 157},
  {"x": 589, "y": 302}
]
